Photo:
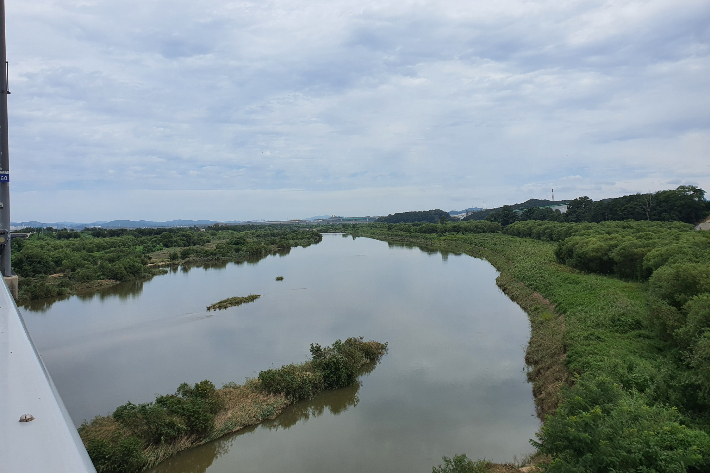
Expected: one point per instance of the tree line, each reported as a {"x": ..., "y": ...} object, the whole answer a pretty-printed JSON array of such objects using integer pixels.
[
  {"x": 54, "y": 262},
  {"x": 683, "y": 204}
]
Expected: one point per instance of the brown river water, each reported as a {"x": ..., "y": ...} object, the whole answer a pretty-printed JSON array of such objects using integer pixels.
[{"x": 453, "y": 381}]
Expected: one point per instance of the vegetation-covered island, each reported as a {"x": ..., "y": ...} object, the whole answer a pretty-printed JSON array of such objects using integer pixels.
[
  {"x": 136, "y": 437},
  {"x": 233, "y": 302},
  {"x": 52, "y": 262}
]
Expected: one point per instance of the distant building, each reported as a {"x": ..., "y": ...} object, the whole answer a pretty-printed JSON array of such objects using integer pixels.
[
  {"x": 561, "y": 208},
  {"x": 337, "y": 219}
]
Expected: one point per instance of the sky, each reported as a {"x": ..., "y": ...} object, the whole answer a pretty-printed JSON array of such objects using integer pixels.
[{"x": 273, "y": 109}]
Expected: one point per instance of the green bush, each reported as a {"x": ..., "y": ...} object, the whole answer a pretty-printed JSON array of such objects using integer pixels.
[
  {"x": 331, "y": 367},
  {"x": 601, "y": 427},
  {"x": 150, "y": 422},
  {"x": 294, "y": 381},
  {"x": 121, "y": 455},
  {"x": 84, "y": 275},
  {"x": 461, "y": 464},
  {"x": 679, "y": 283},
  {"x": 196, "y": 406},
  {"x": 38, "y": 288}
]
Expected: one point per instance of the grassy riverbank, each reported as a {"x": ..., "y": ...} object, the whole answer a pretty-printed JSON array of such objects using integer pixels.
[
  {"x": 611, "y": 378},
  {"x": 55, "y": 263},
  {"x": 136, "y": 437}
]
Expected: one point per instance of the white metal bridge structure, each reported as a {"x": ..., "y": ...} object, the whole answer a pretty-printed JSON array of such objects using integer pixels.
[{"x": 36, "y": 433}]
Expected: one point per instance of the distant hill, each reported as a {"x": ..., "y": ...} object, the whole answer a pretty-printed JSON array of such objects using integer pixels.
[
  {"x": 528, "y": 204},
  {"x": 431, "y": 216},
  {"x": 117, "y": 224}
]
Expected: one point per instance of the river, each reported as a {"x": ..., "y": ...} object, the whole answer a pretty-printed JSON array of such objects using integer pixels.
[{"x": 453, "y": 380}]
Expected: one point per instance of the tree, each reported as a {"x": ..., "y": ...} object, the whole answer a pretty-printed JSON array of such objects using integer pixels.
[
  {"x": 505, "y": 216},
  {"x": 579, "y": 210}
]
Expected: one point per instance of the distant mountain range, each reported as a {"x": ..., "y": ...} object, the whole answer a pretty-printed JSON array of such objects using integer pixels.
[{"x": 118, "y": 224}]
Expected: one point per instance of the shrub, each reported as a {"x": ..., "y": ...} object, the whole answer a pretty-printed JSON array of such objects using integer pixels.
[
  {"x": 151, "y": 422},
  {"x": 678, "y": 283},
  {"x": 461, "y": 464},
  {"x": 331, "y": 367},
  {"x": 121, "y": 455},
  {"x": 294, "y": 381},
  {"x": 196, "y": 405},
  {"x": 601, "y": 428}
]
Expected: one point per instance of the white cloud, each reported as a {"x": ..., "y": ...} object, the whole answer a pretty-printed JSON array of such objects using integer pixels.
[{"x": 349, "y": 102}]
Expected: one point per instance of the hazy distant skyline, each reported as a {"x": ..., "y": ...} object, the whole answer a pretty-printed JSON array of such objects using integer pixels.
[{"x": 222, "y": 110}]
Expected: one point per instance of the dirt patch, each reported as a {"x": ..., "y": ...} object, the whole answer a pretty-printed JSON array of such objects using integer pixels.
[{"x": 544, "y": 301}]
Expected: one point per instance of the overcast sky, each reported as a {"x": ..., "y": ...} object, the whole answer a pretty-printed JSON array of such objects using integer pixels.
[{"x": 212, "y": 109}]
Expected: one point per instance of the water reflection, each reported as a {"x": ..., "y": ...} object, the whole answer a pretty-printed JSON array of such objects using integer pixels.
[
  {"x": 201, "y": 458},
  {"x": 335, "y": 402},
  {"x": 123, "y": 291},
  {"x": 133, "y": 289},
  {"x": 429, "y": 251}
]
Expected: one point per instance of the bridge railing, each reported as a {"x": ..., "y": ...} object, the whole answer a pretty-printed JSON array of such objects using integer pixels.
[{"x": 36, "y": 433}]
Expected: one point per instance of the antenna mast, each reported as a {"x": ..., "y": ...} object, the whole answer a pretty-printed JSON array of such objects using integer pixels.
[{"x": 5, "y": 267}]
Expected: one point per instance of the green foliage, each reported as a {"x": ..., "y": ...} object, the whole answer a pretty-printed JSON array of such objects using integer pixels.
[
  {"x": 505, "y": 216},
  {"x": 196, "y": 406},
  {"x": 296, "y": 382},
  {"x": 190, "y": 410},
  {"x": 39, "y": 288},
  {"x": 124, "y": 255},
  {"x": 600, "y": 428},
  {"x": 684, "y": 204},
  {"x": 338, "y": 364},
  {"x": 539, "y": 208},
  {"x": 546, "y": 214},
  {"x": 151, "y": 422},
  {"x": 461, "y": 464},
  {"x": 121, "y": 454},
  {"x": 331, "y": 367},
  {"x": 678, "y": 283},
  {"x": 233, "y": 301},
  {"x": 431, "y": 216}
]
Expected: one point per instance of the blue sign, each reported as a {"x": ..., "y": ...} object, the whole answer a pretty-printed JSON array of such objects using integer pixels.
[{"x": 4, "y": 176}]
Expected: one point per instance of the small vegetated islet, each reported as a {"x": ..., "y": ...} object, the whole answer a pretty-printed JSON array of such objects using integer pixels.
[
  {"x": 233, "y": 302},
  {"x": 279, "y": 278},
  {"x": 137, "y": 436}
]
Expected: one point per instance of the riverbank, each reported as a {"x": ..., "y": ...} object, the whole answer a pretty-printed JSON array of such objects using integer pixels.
[
  {"x": 611, "y": 392},
  {"x": 545, "y": 353},
  {"x": 137, "y": 437},
  {"x": 52, "y": 264}
]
